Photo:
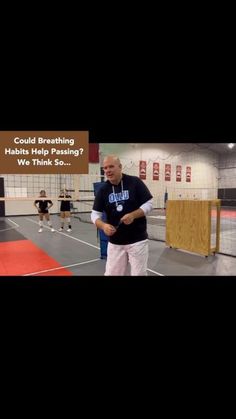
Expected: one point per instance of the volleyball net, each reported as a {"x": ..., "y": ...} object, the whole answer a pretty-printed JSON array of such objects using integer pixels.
[{"x": 19, "y": 192}]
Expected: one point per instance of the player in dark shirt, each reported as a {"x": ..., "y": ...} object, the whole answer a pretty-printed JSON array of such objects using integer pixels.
[
  {"x": 65, "y": 210},
  {"x": 43, "y": 207}
]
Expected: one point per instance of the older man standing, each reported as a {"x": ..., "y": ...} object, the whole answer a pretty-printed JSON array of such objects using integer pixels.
[{"x": 126, "y": 201}]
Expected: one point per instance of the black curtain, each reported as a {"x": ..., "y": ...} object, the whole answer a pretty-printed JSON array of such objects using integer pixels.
[{"x": 2, "y": 203}]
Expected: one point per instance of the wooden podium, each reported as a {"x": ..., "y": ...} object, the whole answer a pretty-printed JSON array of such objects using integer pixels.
[{"x": 193, "y": 225}]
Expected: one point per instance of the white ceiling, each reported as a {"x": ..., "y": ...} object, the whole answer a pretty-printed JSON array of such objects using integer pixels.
[{"x": 220, "y": 148}]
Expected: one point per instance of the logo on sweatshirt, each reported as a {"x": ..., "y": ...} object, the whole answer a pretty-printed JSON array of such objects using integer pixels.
[{"x": 120, "y": 196}]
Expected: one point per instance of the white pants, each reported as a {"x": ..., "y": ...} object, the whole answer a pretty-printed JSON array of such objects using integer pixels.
[{"x": 118, "y": 257}]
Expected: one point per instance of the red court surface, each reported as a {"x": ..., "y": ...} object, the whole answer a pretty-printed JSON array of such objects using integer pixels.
[
  {"x": 225, "y": 213},
  {"x": 24, "y": 257}
]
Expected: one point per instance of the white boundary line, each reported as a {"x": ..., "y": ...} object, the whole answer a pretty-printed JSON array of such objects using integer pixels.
[
  {"x": 10, "y": 228},
  {"x": 67, "y": 235},
  {"x": 61, "y": 267},
  {"x": 159, "y": 217},
  {"x": 76, "y": 264},
  {"x": 157, "y": 273},
  {"x": 13, "y": 222},
  {"x": 7, "y": 229}
]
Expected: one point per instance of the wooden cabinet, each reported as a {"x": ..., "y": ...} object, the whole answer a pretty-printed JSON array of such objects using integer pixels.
[{"x": 193, "y": 225}]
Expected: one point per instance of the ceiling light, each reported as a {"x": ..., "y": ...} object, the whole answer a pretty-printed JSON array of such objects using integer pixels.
[{"x": 231, "y": 145}]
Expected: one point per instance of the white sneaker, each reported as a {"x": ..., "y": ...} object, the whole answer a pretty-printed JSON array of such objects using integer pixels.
[
  {"x": 40, "y": 230},
  {"x": 69, "y": 229},
  {"x": 61, "y": 229},
  {"x": 52, "y": 229}
]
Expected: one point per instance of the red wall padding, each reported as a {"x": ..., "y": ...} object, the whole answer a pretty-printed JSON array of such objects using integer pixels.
[{"x": 93, "y": 153}]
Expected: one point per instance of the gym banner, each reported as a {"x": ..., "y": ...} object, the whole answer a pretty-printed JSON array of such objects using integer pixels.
[
  {"x": 188, "y": 174},
  {"x": 93, "y": 153},
  {"x": 155, "y": 171},
  {"x": 167, "y": 171},
  {"x": 142, "y": 169},
  {"x": 178, "y": 173}
]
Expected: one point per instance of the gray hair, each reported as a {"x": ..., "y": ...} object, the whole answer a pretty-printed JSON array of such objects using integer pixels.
[{"x": 114, "y": 157}]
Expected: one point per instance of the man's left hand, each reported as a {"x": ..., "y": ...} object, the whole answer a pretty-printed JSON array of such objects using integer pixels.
[{"x": 127, "y": 218}]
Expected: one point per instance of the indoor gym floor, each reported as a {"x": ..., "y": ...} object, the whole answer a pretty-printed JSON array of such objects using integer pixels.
[{"x": 25, "y": 252}]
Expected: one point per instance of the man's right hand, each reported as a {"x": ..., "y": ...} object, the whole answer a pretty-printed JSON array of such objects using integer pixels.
[{"x": 109, "y": 230}]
